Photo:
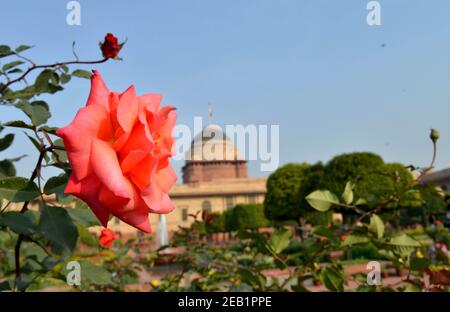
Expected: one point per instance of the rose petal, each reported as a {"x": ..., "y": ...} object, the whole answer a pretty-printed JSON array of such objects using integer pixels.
[
  {"x": 87, "y": 190},
  {"x": 128, "y": 108},
  {"x": 142, "y": 173},
  {"x": 133, "y": 211},
  {"x": 156, "y": 199},
  {"x": 99, "y": 94},
  {"x": 166, "y": 178},
  {"x": 106, "y": 167},
  {"x": 91, "y": 121}
]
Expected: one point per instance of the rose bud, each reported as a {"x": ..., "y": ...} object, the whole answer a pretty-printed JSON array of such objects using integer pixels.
[
  {"x": 434, "y": 135},
  {"x": 107, "y": 237},
  {"x": 110, "y": 47}
]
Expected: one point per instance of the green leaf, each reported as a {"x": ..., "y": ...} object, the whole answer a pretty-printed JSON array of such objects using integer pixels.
[
  {"x": 360, "y": 201},
  {"x": 279, "y": 240},
  {"x": 404, "y": 240},
  {"x": 15, "y": 71},
  {"x": 86, "y": 237},
  {"x": 92, "y": 274},
  {"x": 37, "y": 111},
  {"x": 83, "y": 215},
  {"x": 51, "y": 130},
  {"x": 47, "y": 82},
  {"x": 5, "y": 51},
  {"x": 7, "y": 168},
  {"x": 64, "y": 68},
  {"x": 19, "y": 223},
  {"x": 80, "y": 73},
  {"x": 65, "y": 78},
  {"x": 355, "y": 239},
  {"x": 347, "y": 196},
  {"x": 322, "y": 200},
  {"x": 6, "y": 141},
  {"x": 10, "y": 65},
  {"x": 38, "y": 146},
  {"x": 16, "y": 189},
  {"x": 376, "y": 226},
  {"x": 419, "y": 264},
  {"x": 18, "y": 124},
  {"x": 61, "y": 154},
  {"x": 57, "y": 226},
  {"x": 332, "y": 279},
  {"x": 22, "y": 48},
  {"x": 410, "y": 287},
  {"x": 325, "y": 232},
  {"x": 56, "y": 185}
]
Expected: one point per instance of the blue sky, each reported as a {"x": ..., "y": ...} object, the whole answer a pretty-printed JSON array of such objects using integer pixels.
[{"x": 314, "y": 67}]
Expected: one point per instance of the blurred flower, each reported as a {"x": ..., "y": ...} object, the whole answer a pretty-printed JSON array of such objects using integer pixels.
[
  {"x": 419, "y": 254},
  {"x": 107, "y": 237},
  {"x": 155, "y": 283}
]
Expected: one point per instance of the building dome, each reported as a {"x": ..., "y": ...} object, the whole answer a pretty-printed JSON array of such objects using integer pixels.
[
  {"x": 213, "y": 156},
  {"x": 212, "y": 145}
]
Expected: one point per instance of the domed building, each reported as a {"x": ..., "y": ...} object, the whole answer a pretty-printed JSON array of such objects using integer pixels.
[
  {"x": 213, "y": 156},
  {"x": 215, "y": 178}
]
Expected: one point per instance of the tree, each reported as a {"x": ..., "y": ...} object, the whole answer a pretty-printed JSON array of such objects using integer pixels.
[
  {"x": 282, "y": 201},
  {"x": 250, "y": 216},
  {"x": 365, "y": 170}
]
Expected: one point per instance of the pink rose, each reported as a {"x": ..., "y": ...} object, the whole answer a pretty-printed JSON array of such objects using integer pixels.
[{"x": 119, "y": 147}]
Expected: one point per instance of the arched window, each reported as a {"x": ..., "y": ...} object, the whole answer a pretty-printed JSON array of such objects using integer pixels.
[{"x": 206, "y": 206}]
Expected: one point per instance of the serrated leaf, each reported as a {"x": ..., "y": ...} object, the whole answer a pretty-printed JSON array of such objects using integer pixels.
[
  {"x": 6, "y": 141},
  {"x": 322, "y": 200},
  {"x": 56, "y": 225},
  {"x": 347, "y": 196},
  {"x": 80, "y": 73},
  {"x": 17, "y": 189},
  {"x": 376, "y": 226}
]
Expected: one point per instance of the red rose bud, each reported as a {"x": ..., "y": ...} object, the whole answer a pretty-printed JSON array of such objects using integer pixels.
[
  {"x": 110, "y": 47},
  {"x": 107, "y": 237}
]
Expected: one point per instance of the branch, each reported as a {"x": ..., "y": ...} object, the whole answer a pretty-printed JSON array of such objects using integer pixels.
[
  {"x": 32, "y": 68},
  {"x": 25, "y": 208}
]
